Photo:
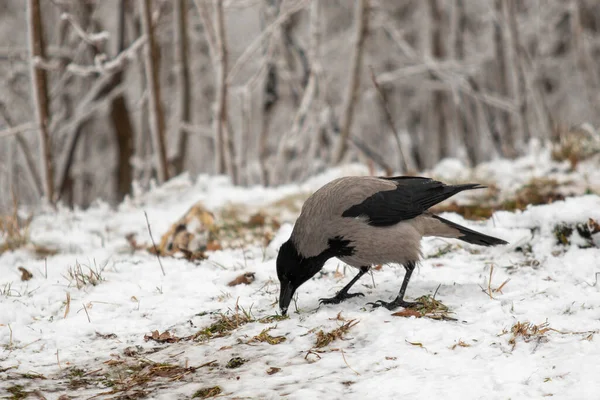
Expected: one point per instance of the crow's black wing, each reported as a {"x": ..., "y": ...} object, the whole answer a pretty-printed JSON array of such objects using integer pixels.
[{"x": 412, "y": 196}]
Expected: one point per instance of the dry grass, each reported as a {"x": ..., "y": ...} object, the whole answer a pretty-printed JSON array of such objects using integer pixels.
[
  {"x": 8, "y": 291},
  {"x": 132, "y": 376},
  {"x": 292, "y": 203},
  {"x": 80, "y": 277},
  {"x": 236, "y": 226},
  {"x": 563, "y": 232},
  {"x": 434, "y": 309},
  {"x": 460, "y": 343},
  {"x": 224, "y": 325},
  {"x": 575, "y": 145},
  {"x": 206, "y": 393},
  {"x": 14, "y": 231},
  {"x": 17, "y": 392},
  {"x": 265, "y": 337},
  {"x": 429, "y": 307},
  {"x": 325, "y": 338},
  {"x": 536, "y": 192},
  {"x": 527, "y": 332},
  {"x": 235, "y": 362},
  {"x": 273, "y": 318},
  {"x": 14, "y": 234}
]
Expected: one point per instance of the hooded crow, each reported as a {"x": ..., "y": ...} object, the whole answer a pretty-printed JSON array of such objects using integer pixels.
[{"x": 365, "y": 221}]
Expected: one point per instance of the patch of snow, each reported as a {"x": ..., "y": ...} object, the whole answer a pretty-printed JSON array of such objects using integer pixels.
[{"x": 392, "y": 356}]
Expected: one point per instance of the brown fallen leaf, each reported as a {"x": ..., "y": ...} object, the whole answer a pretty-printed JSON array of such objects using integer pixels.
[
  {"x": 594, "y": 226},
  {"x": 407, "y": 312},
  {"x": 130, "y": 237},
  {"x": 192, "y": 255},
  {"x": 131, "y": 351},
  {"x": 257, "y": 219},
  {"x": 25, "y": 275},
  {"x": 245, "y": 278},
  {"x": 165, "y": 337},
  {"x": 378, "y": 267},
  {"x": 213, "y": 246},
  {"x": 273, "y": 370}
]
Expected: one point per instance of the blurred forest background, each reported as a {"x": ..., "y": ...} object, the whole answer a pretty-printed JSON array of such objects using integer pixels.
[{"x": 98, "y": 94}]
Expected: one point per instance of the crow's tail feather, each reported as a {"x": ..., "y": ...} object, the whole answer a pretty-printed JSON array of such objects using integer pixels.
[{"x": 470, "y": 236}]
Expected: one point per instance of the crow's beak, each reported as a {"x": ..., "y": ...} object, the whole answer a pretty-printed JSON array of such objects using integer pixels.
[{"x": 285, "y": 296}]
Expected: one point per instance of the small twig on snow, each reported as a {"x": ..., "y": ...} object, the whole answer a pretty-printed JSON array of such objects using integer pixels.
[
  {"x": 154, "y": 244},
  {"x": 344, "y": 357},
  {"x": 86, "y": 313}
]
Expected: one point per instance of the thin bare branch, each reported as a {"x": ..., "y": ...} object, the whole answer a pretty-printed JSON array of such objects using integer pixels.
[
  {"x": 209, "y": 30},
  {"x": 454, "y": 81},
  {"x": 361, "y": 17},
  {"x": 183, "y": 112},
  {"x": 220, "y": 105},
  {"x": 255, "y": 45},
  {"x": 103, "y": 66},
  {"x": 15, "y": 130},
  {"x": 40, "y": 94},
  {"x": 152, "y": 78},
  {"x": 93, "y": 39}
]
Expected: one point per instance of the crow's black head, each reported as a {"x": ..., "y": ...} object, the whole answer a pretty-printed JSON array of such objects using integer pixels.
[{"x": 293, "y": 269}]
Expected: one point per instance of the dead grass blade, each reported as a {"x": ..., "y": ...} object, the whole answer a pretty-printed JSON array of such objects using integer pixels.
[
  {"x": 429, "y": 307},
  {"x": 346, "y": 361},
  {"x": 224, "y": 325},
  {"x": 325, "y": 338},
  {"x": 265, "y": 337},
  {"x": 206, "y": 393},
  {"x": 165, "y": 337},
  {"x": 67, "y": 305}
]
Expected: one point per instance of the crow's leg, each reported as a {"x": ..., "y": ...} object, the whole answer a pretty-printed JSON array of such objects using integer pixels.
[
  {"x": 343, "y": 294},
  {"x": 399, "y": 301}
]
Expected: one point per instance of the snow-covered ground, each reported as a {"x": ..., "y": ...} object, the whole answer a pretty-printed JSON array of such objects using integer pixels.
[{"x": 48, "y": 351}]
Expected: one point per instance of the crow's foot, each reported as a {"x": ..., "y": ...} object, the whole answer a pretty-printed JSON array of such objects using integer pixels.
[
  {"x": 338, "y": 298},
  {"x": 395, "y": 304}
]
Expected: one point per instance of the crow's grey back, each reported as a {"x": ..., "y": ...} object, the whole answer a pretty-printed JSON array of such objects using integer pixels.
[{"x": 321, "y": 215}]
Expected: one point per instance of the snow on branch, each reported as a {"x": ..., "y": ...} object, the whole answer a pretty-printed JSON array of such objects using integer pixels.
[
  {"x": 94, "y": 39},
  {"x": 101, "y": 66}
]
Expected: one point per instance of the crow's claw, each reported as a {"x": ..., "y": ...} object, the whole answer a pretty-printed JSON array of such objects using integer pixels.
[
  {"x": 338, "y": 298},
  {"x": 395, "y": 304}
]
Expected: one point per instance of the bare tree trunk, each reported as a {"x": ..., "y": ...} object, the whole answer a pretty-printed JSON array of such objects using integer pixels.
[
  {"x": 585, "y": 62},
  {"x": 37, "y": 50},
  {"x": 183, "y": 80},
  {"x": 220, "y": 105},
  {"x": 271, "y": 97},
  {"x": 440, "y": 98},
  {"x": 245, "y": 97},
  {"x": 506, "y": 127},
  {"x": 302, "y": 117},
  {"x": 518, "y": 79},
  {"x": 270, "y": 90},
  {"x": 152, "y": 79},
  {"x": 143, "y": 137},
  {"x": 361, "y": 17},
  {"x": 121, "y": 120}
]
